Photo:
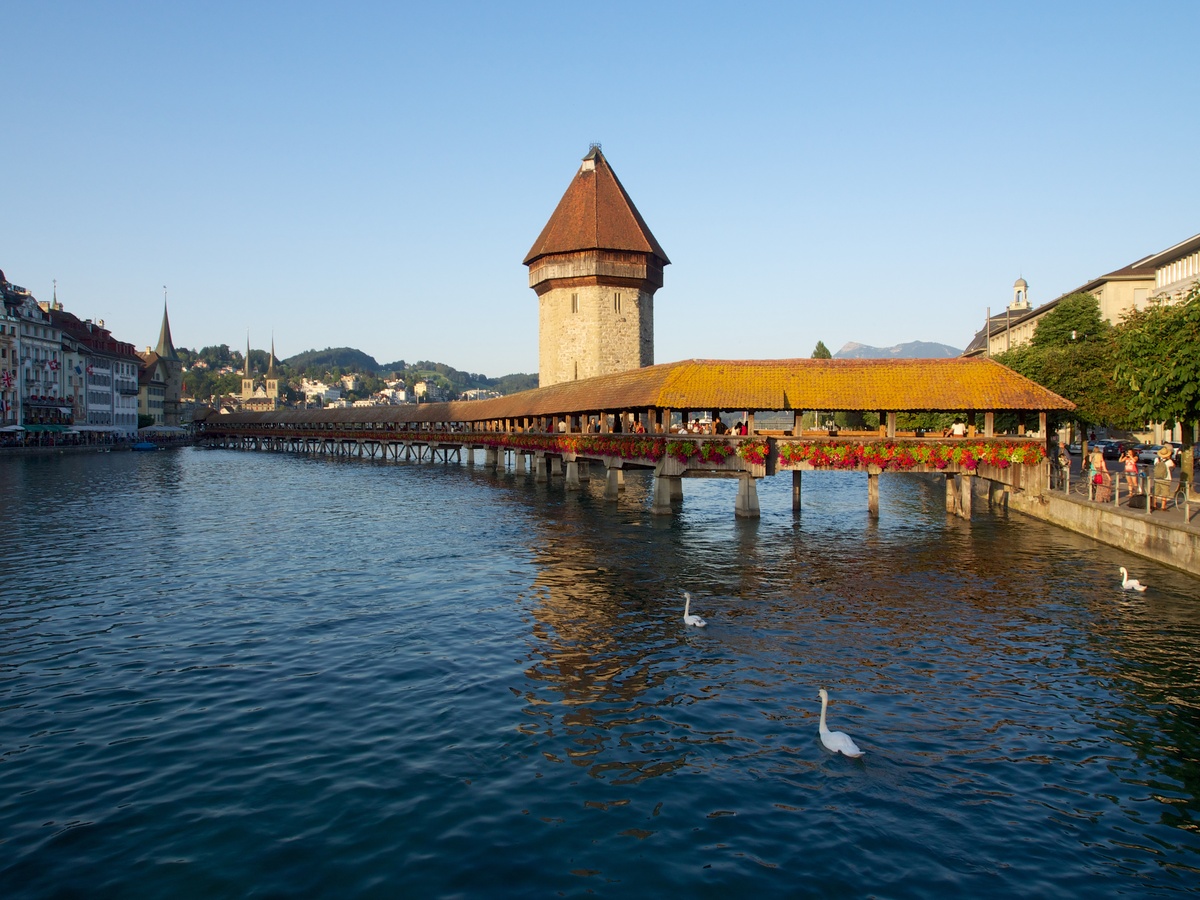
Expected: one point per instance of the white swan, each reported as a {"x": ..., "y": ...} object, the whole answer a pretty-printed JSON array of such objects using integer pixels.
[
  {"x": 1130, "y": 584},
  {"x": 837, "y": 741},
  {"x": 688, "y": 618}
]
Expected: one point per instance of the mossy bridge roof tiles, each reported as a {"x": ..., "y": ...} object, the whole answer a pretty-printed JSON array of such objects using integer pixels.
[{"x": 904, "y": 385}]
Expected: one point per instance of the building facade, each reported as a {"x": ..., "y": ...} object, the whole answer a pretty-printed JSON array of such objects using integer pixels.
[
  {"x": 595, "y": 269},
  {"x": 1116, "y": 293}
]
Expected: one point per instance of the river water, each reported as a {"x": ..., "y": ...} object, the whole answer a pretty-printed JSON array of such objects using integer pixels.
[{"x": 226, "y": 674}]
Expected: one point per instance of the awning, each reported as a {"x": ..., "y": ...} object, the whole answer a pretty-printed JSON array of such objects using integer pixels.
[
  {"x": 54, "y": 428},
  {"x": 65, "y": 410},
  {"x": 13, "y": 428}
]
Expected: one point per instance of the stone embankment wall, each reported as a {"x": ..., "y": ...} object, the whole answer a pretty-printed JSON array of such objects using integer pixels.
[{"x": 1176, "y": 545}]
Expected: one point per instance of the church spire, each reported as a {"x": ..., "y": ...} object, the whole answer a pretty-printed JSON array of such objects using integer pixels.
[
  {"x": 271, "y": 363},
  {"x": 165, "y": 349},
  {"x": 246, "y": 374}
]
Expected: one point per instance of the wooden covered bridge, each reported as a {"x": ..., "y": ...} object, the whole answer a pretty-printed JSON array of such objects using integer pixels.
[{"x": 638, "y": 420}]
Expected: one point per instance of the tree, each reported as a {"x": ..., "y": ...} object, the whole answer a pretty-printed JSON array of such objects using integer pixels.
[
  {"x": 1074, "y": 318},
  {"x": 1074, "y": 354},
  {"x": 1158, "y": 359},
  {"x": 821, "y": 351}
]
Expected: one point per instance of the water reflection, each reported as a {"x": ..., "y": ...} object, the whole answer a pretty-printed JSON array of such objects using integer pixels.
[{"x": 411, "y": 663}]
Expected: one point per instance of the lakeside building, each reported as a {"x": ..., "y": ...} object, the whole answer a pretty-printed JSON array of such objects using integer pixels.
[
  {"x": 60, "y": 373},
  {"x": 102, "y": 375},
  {"x": 9, "y": 394},
  {"x": 1165, "y": 277}
]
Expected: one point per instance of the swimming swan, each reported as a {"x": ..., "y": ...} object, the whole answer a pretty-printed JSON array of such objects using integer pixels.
[
  {"x": 688, "y": 618},
  {"x": 1130, "y": 584},
  {"x": 837, "y": 741}
]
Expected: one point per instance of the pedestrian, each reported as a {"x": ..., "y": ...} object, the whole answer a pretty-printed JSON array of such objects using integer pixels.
[
  {"x": 1098, "y": 475},
  {"x": 1130, "y": 462},
  {"x": 1163, "y": 486}
]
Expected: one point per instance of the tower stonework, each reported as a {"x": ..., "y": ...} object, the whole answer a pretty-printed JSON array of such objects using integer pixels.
[{"x": 595, "y": 268}]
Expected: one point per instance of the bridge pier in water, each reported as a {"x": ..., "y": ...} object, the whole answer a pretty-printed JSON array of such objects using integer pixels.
[
  {"x": 614, "y": 481},
  {"x": 746, "y": 504}
]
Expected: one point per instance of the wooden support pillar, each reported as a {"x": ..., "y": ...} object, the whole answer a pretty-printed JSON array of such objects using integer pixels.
[
  {"x": 964, "y": 505},
  {"x": 1043, "y": 425},
  {"x": 951, "y": 495},
  {"x": 797, "y": 427},
  {"x": 873, "y": 494},
  {"x": 676, "y": 484},
  {"x": 470, "y": 451},
  {"x": 620, "y": 479},
  {"x": 796, "y": 473},
  {"x": 519, "y": 462},
  {"x": 882, "y": 423},
  {"x": 556, "y": 467},
  {"x": 891, "y": 424},
  {"x": 662, "y": 496},
  {"x": 749, "y": 431},
  {"x": 989, "y": 424},
  {"x": 539, "y": 468},
  {"x": 971, "y": 424},
  {"x": 665, "y": 420},
  {"x": 489, "y": 457},
  {"x": 746, "y": 505},
  {"x": 572, "y": 477},
  {"x": 612, "y": 483},
  {"x": 584, "y": 473}
]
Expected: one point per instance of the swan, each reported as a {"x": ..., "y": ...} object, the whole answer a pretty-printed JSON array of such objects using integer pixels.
[
  {"x": 837, "y": 741},
  {"x": 1130, "y": 584},
  {"x": 688, "y": 618}
]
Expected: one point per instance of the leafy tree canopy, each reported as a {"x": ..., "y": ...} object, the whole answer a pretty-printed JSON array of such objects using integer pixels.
[
  {"x": 1074, "y": 318},
  {"x": 1158, "y": 360},
  {"x": 821, "y": 351}
]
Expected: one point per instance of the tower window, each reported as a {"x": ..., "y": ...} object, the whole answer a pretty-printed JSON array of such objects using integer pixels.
[{"x": 574, "y": 303}]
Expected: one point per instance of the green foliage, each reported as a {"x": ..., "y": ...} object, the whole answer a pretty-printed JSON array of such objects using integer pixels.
[
  {"x": 145, "y": 421},
  {"x": 1158, "y": 360},
  {"x": 1082, "y": 372},
  {"x": 821, "y": 351},
  {"x": 335, "y": 361},
  {"x": 1074, "y": 318},
  {"x": 1074, "y": 354}
]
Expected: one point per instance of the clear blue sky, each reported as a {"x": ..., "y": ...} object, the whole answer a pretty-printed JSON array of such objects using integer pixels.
[{"x": 372, "y": 175}]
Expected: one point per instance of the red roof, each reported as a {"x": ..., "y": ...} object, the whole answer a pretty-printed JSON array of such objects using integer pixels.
[{"x": 595, "y": 214}]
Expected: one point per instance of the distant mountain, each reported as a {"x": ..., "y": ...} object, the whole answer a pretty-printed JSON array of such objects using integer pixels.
[{"x": 911, "y": 350}]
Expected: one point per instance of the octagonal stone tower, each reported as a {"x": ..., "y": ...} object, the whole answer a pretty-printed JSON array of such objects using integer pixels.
[{"x": 595, "y": 268}]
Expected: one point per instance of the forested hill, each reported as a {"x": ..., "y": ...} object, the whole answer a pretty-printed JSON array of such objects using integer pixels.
[{"x": 345, "y": 358}]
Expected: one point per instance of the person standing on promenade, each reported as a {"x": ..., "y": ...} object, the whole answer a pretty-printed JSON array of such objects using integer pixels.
[
  {"x": 1130, "y": 461},
  {"x": 1099, "y": 477},
  {"x": 1163, "y": 486}
]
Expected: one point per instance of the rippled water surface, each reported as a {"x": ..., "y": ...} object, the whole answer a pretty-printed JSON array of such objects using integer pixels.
[{"x": 227, "y": 674}]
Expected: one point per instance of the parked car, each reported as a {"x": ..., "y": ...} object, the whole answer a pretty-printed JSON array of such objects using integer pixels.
[
  {"x": 1114, "y": 449},
  {"x": 1075, "y": 448},
  {"x": 1147, "y": 453}
]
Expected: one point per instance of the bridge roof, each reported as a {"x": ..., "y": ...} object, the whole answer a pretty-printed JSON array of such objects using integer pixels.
[{"x": 831, "y": 385}]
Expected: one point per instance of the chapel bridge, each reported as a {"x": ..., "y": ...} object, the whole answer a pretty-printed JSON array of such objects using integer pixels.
[{"x": 562, "y": 428}]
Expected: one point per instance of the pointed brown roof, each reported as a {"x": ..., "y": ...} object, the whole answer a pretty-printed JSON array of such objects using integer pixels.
[{"x": 595, "y": 214}]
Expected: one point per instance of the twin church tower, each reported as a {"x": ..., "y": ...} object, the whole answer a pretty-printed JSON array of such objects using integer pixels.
[{"x": 595, "y": 268}]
